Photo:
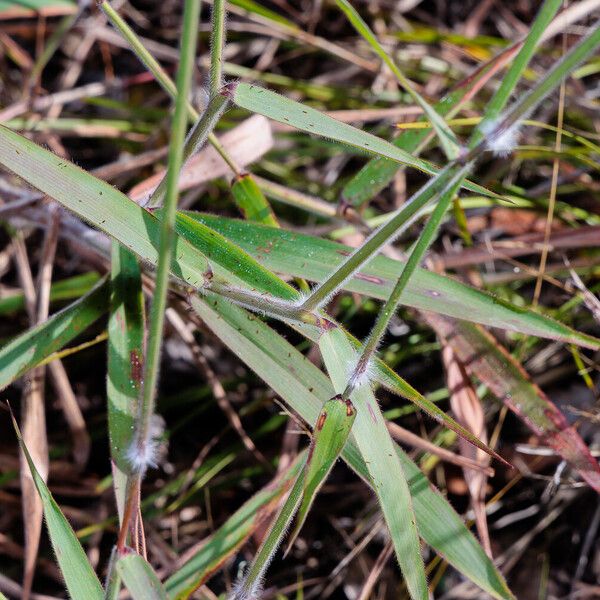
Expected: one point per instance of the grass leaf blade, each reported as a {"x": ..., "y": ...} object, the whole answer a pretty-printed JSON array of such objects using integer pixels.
[
  {"x": 80, "y": 579},
  {"x": 289, "y": 112},
  {"x": 385, "y": 471},
  {"x": 444, "y": 133},
  {"x": 330, "y": 433},
  {"x": 139, "y": 578},
  {"x": 125, "y": 361},
  {"x": 34, "y": 345}
]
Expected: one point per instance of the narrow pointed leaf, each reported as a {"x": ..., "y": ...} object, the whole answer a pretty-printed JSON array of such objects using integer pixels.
[
  {"x": 79, "y": 576},
  {"x": 34, "y": 345},
  {"x": 379, "y": 171},
  {"x": 300, "y": 255},
  {"x": 385, "y": 470},
  {"x": 444, "y": 133},
  {"x": 65, "y": 289},
  {"x": 125, "y": 361},
  {"x": 330, "y": 433},
  {"x": 305, "y": 388},
  {"x": 251, "y": 201},
  {"x": 139, "y": 578},
  {"x": 97, "y": 202},
  {"x": 289, "y": 112}
]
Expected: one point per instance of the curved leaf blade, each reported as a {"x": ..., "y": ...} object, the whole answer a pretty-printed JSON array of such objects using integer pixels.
[
  {"x": 97, "y": 202},
  {"x": 330, "y": 433},
  {"x": 377, "y": 450},
  {"x": 34, "y": 345},
  {"x": 80, "y": 578},
  {"x": 313, "y": 258},
  {"x": 305, "y": 388},
  {"x": 289, "y": 112},
  {"x": 139, "y": 578}
]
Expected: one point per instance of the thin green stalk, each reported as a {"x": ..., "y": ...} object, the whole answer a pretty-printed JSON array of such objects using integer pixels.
[
  {"x": 416, "y": 256},
  {"x": 167, "y": 232},
  {"x": 195, "y": 140},
  {"x": 141, "y": 453},
  {"x": 445, "y": 134},
  {"x": 162, "y": 77},
  {"x": 217, "y": 41},
  {"x": 381, "y": 236},
  {"x": 514, "y": 72}
]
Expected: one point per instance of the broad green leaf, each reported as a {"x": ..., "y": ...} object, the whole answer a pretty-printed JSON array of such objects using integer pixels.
[
  {"x": 34, "y": 345},
  {"x": 98, "y": 203},
  {"x": 377, "y": 450},
  {"x": 80, "y": 579},
  {"x": 251, "y": 201},
  {"x": 230, "y": 536},
  {"x": 139, "y": 578},
  {"x": 305, "y": 388},
  {"x": 444, "y": 133},
  {"x": 303, "y": 117},
  {"x": 65, "y": 289},
  {"x": 300, "y": 255},
  {"x": 330, "y": 433},
  {"x": 125, "y": 361}
]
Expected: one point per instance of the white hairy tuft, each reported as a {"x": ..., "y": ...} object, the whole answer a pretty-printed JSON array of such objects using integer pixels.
[
  {"x": 143, "y": 454},
  {"x": 358, "y": 378},
  {"x": 501, "y": 141},
  {"x": 241, "y": 592}
]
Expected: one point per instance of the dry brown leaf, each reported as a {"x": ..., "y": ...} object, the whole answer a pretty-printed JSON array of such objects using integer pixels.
[
  {"x": 468, "y": 412},
  {"x": 245, "y": 144}
]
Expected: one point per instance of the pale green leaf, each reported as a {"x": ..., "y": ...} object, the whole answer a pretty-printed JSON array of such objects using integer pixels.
[
  {"x": 305, "y": 388},
  {"x": 139, "y": 578}
]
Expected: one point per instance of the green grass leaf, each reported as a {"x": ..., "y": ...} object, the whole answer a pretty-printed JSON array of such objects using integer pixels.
[
  {"x": 379, "y": 172},
  {"x": 445, "y": 135},
  {"x": 65, "y": 289},
  {"x": 511, "y": 79},
  {"x": 79, "y": 576},
  {"x": 303, "y": 117},
  {"x": 330, "y": 433},
  {"x": 305, "y": 388},
  {"x": 301, "y": 255},
  {"x": 377, "y": 450},
  {"x": 34, "y": 345},
  {"x": 139, "y": 578},
  {"x": 251, "y": 201},
  {"x": 125, "y": 361},
  {"x": 97, "y": 202}
]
